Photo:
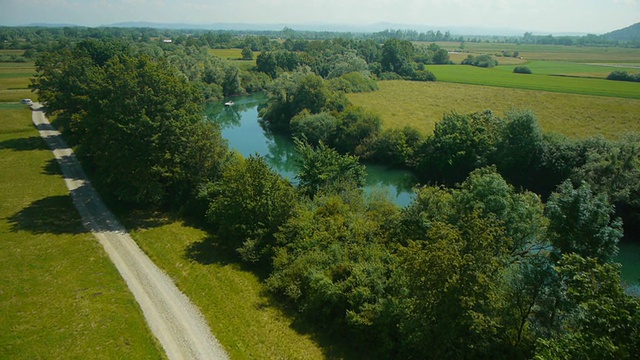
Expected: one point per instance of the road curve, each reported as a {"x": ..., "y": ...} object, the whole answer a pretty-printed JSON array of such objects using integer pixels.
[{"x": 173, "y": 319}]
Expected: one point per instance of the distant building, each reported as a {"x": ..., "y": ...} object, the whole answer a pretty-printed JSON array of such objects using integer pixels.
[{"x": 167, "y": 41}]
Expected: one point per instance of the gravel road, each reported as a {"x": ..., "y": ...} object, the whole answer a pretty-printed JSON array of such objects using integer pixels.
[{"x": 173, "y": 319}]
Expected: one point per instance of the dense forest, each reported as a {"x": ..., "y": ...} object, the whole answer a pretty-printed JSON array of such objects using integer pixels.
[{"x": 505, "y": 252}]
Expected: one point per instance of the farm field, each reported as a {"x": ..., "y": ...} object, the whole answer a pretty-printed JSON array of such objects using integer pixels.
[
  {"x": 580, "y": 54},
  {"x": 61, "y": 297},
  {"x": 465, "y": 74},
  {"x": 14, "y": 81},
  {"x": 423, "y": 104}
]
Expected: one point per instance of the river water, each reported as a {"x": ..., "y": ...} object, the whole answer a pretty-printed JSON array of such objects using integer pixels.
[{"x": 244, "y": 133}]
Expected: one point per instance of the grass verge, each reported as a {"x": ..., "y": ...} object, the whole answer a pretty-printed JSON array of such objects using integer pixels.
[
  {"x": 243, "y": 317},
  {"x": 60, "y": 295},
  {"x": 422, "y": 105}
]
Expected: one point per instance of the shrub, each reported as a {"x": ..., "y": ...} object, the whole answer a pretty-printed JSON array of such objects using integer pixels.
[
  {"x": 621, "y": 75},
  {"x": 486, "y": 61},
  {"x": 522, "y": 70}
]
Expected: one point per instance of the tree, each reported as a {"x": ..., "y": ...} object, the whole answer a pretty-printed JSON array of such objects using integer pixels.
[
  {"x": 599, "y": 321},
  {"x": 520, "y": 149},
  {"x": 397, "y": 56},
  {"x": 247, "y": 205},
  {"x": 322, "y": 169},
  {"x": 580, "y": 222},
  {"x": 460, "y": 144},
  {"x": 247, "y": 54}
]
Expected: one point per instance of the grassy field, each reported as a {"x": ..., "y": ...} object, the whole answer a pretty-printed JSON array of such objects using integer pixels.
[
  {"x": 235, "y": 56},
  {"x": 60, "y": 295},
  {"x": 581, "y": 54},
  {"x": 14, "y": 81},
  {"x": 506, "y": 78},
  {"x": 421, "y": 105},
  {"x": 243, "y": 318}
]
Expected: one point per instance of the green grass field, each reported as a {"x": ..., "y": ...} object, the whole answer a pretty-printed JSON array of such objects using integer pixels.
[
  {"x": 15, "y": 80},
  {"x": 421, "y": 105},
  {"x": 60, "y": 295},
  {"x": 235, "y": 57},
  {"x": 465, "y": 74}
]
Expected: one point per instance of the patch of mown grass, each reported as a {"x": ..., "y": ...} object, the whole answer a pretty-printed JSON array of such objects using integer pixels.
[
  {"x": 570, "y": 69},
  {"x": 422, "y": 105},
  {"x": 13, "y": 83},
  {"x": 465, "y": 74},
  {"x": 241, "y": 314},
  {"x": 60, "y": 295}
]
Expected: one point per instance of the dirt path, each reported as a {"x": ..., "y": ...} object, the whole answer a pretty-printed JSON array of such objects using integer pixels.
[{"x": 173, "y": 319}]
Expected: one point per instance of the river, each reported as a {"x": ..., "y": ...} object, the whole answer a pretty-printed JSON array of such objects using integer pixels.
[
  {"x": 244, "y": 133},
  {"x": 242, "y": 130}
]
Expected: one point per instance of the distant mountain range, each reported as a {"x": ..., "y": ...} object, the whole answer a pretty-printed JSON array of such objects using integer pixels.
[{"x": 627, "y": 34}]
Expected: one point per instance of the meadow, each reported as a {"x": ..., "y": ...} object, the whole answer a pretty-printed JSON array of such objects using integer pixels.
[
  {"x": 14, "y": 81},
  {"x": 61, "y": 297},
  {"x": 235, "y": 57},
  {"x": 497, "y": 76},
  {"x": 423, "y": 104}
]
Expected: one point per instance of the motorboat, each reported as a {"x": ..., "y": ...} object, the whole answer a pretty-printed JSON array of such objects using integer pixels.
[{"x": 228, "y": 103}]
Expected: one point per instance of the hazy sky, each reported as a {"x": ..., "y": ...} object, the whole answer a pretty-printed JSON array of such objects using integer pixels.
[{"x": 594, "y": 16}]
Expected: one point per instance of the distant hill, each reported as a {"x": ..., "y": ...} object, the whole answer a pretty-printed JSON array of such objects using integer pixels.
[{"x": 627, "y": 34}]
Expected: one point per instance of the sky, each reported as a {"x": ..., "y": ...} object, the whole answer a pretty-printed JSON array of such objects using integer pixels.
[{"x": 538, "y": 16}]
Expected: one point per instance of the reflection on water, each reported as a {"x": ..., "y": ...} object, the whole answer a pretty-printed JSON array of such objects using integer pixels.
[{"x": 241, "y": 128}]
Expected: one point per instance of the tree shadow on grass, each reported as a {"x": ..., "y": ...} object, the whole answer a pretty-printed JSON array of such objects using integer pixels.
[
  {"x": 51, "y": 215},
  {"x": 213, "y": 250},
  {"x": 24, "y": 144}
]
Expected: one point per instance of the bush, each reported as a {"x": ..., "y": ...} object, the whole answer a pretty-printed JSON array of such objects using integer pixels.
[
  {"x": 423, "y": 75},
  {"x": 486, "y": 61},
  {"x": 522, "y": 70},
  {"x": 621, "y": 75}
]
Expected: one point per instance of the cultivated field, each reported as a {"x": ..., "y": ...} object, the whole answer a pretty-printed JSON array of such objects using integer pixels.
[
  {"x": 60, "y": 295},
  {"x": 504, "y": 77},
  {"x": 421, "y": 105},
  {"x": 14, "y": 81}
]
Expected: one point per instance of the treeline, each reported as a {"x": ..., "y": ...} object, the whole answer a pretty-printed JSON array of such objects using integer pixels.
[
  {"x": 621, "y": 75},
  {"x": 472, "y": 268}
]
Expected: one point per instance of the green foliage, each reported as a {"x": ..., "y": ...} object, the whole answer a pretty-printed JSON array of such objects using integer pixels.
[
  {"x": 600, "y": 320},
  {"x": 359, "y": 82},
  {"x": 521, "y": 148},
  {"x": 460, "y": 143},
  {"x": 324, "y": 170},
  {"x": 522, "y": 70},
  {"x": 580, "y": 222},
  {"x": 314, "y": 128},
  {"x": 247, "y": 54},
  {"x": 397, "y": 147},
  {"x": 106, "y": 100},
  {"x": 333, "y": 265},
  {"x": 622, "y": 75},
  {"x": 485, "y": 61},
  {"x": 397, "y": 56},
  {"x": 247, "y": 205},
  {"x": 357, "y": 128}
]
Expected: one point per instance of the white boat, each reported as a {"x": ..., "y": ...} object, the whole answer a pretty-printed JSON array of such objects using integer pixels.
[{"x": 228, "y": 103}]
